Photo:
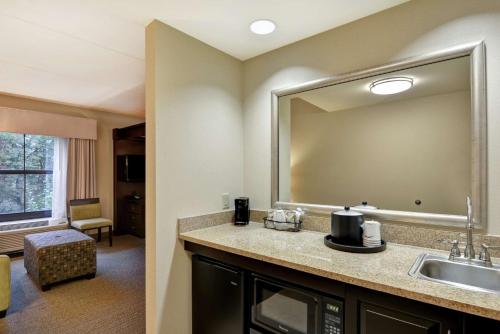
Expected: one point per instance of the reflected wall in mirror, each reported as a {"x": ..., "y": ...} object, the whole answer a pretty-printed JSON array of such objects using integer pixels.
[{"x": 343, "y": 144}]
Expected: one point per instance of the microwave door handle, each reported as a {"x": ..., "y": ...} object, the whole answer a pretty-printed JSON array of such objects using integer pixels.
[{"x": 283, "y": 329}]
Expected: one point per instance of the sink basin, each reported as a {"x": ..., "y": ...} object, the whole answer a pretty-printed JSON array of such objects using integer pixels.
[{"x": 472, "y": 275}]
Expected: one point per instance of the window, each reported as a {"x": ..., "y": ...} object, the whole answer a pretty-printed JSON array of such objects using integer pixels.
[{"x": 26, "y": 163}]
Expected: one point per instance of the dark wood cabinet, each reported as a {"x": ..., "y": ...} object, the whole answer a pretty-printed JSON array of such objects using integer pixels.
[
  {"x": 379, "y": 313},
  {"x": 378, "y": 320},
  {"x": 129, "y": 208},
  {"x": 135, "y": 219},
  {"x": 366, "y": 311},
  {"x": 474, "y": 324}
]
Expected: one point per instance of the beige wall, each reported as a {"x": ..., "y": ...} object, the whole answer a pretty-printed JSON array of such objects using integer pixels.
[
  {"x": 388, "y": 154},
  {"x": 193, "y": 94},
  {"x": 410, "y": 29},
  {"x": 196, "y": 124},
  {"x": 106, "y": 122}
]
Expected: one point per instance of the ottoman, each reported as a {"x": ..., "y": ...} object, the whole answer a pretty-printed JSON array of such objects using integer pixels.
[{"x": 57, "y": 256}]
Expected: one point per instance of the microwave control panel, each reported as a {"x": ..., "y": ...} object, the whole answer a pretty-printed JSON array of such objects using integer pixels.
[{"x": 333, "y": 316}]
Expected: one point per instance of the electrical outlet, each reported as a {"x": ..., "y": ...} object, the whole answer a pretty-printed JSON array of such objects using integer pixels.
[{"x": 225, "y": 201}]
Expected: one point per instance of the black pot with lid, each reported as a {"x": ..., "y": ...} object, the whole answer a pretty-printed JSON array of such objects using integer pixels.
[{"x": 347, "y": 227}]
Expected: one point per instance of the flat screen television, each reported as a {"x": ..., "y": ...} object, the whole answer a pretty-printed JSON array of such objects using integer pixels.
[{"x": 131, "y": 168}]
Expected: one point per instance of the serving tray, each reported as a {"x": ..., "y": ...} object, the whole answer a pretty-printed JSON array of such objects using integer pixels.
[{"x": 330, "y": 242}]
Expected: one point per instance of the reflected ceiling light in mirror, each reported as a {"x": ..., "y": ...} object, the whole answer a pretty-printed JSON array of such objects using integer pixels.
[
  {"x": 262, "y": 27},
  {"x": 391, "y": 85}
]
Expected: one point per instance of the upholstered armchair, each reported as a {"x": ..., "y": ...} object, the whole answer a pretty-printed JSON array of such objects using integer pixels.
[
  {"x": 85, "y": 214},
  {"x": 4, "y": 284}
]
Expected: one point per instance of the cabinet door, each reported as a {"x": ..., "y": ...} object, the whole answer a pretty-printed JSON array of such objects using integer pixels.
[
  {"x": 475, "y": 324},
  {"x": 378, "y": 320},
  {"x": 217, "y": 298},
  {"x": 371, "y": 312},
  {"x": 254, "y": 331},
  {"x": 135, "y": 224}
]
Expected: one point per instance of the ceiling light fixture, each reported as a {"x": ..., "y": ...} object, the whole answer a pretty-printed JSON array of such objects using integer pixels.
[
  {"x": 390, "y": 86},
  {"x": 262, "y": 27}
]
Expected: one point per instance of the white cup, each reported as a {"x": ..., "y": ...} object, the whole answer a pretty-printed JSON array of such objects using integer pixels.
[
  {"x": 280, "y": 216},
  {"x": 371, "y": 230}
]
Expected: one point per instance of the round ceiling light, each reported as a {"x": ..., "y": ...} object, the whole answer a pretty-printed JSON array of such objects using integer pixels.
[
  {"x": 262, "y": 27},
  {"x": 390, "y": 86}
]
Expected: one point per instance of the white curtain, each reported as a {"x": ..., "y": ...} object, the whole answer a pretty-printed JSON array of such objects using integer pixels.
[{"x": 59, "y": 178}]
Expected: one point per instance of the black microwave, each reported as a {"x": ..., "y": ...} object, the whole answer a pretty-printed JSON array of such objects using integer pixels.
[{"x": 283, "y": 308}]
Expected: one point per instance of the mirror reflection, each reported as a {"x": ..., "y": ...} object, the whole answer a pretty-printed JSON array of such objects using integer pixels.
[{"x": 398, "y": 141}]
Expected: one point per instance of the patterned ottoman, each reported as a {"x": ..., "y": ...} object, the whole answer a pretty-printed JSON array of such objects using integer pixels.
[{"x": 56, "y": 256}]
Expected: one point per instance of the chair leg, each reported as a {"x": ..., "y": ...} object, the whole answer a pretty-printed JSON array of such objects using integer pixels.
[
  {"x": 99, "y": 234},
  {"x": 110, "y": 232}
]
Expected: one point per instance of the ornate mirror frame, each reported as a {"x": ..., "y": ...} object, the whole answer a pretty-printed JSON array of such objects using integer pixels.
[{"x": 476, "y": 52}]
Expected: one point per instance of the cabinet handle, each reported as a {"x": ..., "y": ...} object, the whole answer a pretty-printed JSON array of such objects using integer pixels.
[{"x": 224, "y": 268}]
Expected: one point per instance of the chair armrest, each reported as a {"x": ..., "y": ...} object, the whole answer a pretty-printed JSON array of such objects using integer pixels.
[{"x": 4, "y": 282}]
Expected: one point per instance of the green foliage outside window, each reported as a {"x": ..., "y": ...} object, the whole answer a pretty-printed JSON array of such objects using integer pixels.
[{"x": 26, "y": 163}]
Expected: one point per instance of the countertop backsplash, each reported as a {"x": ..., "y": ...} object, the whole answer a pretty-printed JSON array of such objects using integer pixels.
[
  {"x": 395, "y": 232},
  {"x": 187, "y": 224}
]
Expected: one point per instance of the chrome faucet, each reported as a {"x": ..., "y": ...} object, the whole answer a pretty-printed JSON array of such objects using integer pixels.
[
  {"x": 469, "y": 252},
  {"x": 484, "y": 255},
  {"x": 469, "y": 255},
  {"x": 455, "y": 251}
]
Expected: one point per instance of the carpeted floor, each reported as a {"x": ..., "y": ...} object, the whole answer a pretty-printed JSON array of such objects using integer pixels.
[{"x": 113, "y": 302}]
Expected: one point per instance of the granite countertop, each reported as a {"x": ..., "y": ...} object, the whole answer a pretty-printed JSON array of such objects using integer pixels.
[{"x": 386, "y": 271}]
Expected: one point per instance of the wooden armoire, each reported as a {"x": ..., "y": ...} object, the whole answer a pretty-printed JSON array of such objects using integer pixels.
[{"x": 129, "y": 194}]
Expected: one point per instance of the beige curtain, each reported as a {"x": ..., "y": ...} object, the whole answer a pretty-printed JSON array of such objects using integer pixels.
[{"x": 81, "y": 169}]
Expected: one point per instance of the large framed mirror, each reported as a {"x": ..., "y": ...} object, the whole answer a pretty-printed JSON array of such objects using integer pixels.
[{"x": 403, "y": 142}]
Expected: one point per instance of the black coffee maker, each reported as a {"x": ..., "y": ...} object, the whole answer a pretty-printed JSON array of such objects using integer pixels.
[{"x": 241, "y": 210}]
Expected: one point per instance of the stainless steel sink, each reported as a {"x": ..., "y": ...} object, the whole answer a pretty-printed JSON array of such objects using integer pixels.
[{"x": 467, "y": 274}]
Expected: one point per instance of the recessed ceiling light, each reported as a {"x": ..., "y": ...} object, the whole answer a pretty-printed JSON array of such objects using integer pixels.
[
  {"x": 262, "y": 27},
  {"x": 392, "y": 85}
]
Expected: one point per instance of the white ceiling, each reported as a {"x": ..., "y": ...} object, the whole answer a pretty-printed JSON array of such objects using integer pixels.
[
  {"x": 432, "y": 79},
  {"x": 91, "y": 53}
]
